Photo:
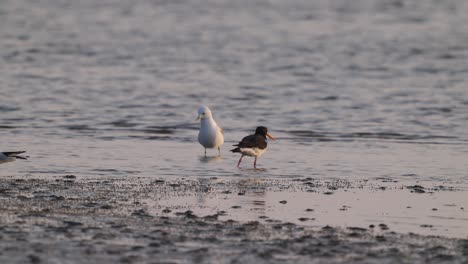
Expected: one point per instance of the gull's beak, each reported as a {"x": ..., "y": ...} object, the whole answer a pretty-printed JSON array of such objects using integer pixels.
[
  {"x": 270, "y": 136},
  {"x": 198, "y": 118}
]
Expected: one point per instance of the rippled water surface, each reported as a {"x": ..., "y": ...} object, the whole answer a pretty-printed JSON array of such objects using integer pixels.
[{"x": 351, "y": 89}]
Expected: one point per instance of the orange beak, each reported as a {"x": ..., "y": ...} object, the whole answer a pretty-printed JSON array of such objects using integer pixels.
[{"x": 270, "y": 136}]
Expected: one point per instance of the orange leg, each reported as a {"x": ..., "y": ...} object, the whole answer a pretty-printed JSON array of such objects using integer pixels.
[{"x": 238, "y": 164}]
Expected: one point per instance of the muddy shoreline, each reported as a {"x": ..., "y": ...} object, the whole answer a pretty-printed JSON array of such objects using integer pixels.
[{"x": 80, "y": 220}]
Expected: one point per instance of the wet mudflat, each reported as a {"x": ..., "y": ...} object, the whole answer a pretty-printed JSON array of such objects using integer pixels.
[
  {"x": 68, "y": 219},
  {"x": 367, "y": 98}
]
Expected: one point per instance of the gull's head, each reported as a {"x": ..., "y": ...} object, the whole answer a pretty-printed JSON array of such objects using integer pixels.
[{"x": 203, "y": 112}]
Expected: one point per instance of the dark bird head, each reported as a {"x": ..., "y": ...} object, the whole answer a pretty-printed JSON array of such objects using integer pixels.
[{"x": 261, "y": 130}]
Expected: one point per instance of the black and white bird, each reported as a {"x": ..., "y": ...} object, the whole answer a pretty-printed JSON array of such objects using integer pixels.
[
  {"x": 253, "y": 145},
  {"x": 210, "y": 135},
  {"x": 11, "y": 156}
]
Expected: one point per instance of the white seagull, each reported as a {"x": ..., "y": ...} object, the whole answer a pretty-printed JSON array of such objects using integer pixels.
[
  {"x": 11, "y": 156},
  {"x": 210, "y": 135}
]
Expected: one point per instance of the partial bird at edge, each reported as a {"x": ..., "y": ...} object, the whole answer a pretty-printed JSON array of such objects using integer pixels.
[{"x": 9, "y": 156}]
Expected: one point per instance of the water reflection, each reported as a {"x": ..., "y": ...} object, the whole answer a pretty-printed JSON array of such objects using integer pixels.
[
  {"x": 209, "y": 159},
  {"x": 253, "y": 191},
  {"x": 205, "y": 188},
  {"x": 253, "y": 170}
]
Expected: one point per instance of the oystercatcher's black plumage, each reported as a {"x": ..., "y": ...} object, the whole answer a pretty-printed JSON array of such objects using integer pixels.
[{"x": 253, "y": 145}]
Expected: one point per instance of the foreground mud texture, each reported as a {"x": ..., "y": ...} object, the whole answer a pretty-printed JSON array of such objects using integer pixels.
[{"x": 70, "y": 220}]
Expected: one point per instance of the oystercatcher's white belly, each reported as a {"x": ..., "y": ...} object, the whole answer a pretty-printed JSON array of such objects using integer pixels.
[{"x": 252, "y": 152}]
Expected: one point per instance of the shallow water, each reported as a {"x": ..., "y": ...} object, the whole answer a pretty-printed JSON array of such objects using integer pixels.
[{"x": 356, "y": 91}]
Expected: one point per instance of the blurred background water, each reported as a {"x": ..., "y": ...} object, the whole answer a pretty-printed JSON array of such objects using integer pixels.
[{"x": 356, "y": 89}]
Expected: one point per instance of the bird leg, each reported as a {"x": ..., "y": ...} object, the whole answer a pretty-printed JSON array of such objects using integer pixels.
[
  {"x": 219, "y": 151},
  {"x": 255, "y": 163},
  {"x": 205, "y": 152},
  {"x": 238, "y": 164}
]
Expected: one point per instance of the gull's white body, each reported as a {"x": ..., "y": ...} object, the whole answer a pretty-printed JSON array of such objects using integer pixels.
[{"x": 210, "y": 135}]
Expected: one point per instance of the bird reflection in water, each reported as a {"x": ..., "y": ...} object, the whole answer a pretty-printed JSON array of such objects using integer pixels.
[
  {"x": 254, "y": 192},
  {"x": 207, "y": 159}
]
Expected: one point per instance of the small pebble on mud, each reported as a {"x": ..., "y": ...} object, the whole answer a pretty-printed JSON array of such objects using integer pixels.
[
  {"x": 383, "y": 226},
  {"x": 426, "y": 226}
]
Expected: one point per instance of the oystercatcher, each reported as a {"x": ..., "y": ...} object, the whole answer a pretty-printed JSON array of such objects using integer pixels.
[
  {"x": 253, "y": 145},
  {"x": 210, "y": 135}
]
